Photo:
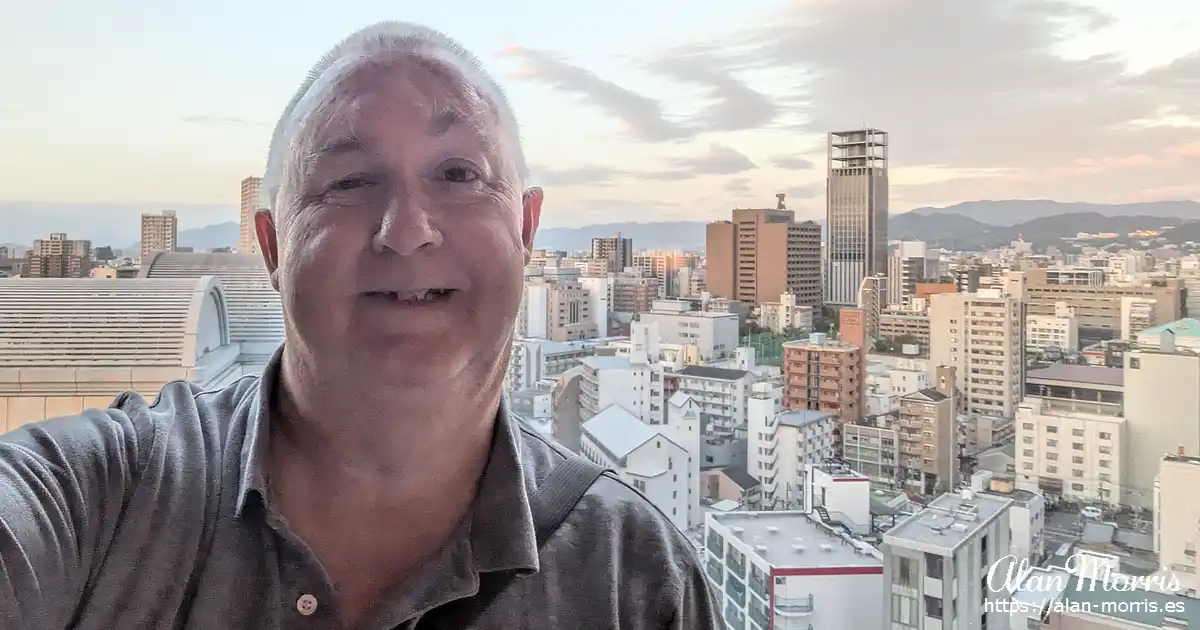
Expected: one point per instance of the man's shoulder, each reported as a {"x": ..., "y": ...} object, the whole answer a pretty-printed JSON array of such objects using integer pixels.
[{"x": 610, "y": 510}]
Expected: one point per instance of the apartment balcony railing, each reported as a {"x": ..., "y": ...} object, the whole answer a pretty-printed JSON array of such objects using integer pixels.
[
  {"x": 793, "y": 606},
  {"x": 791, "y": 623}
]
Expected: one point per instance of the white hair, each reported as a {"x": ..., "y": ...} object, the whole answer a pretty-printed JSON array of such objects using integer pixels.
[{"x": 385, "y": 39}]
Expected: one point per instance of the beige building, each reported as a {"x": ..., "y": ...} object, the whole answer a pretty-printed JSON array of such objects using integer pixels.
[
  {"x": 928, "y": 436},
  {"x": 1177, "y": 514},
  {"x": 160, "y": 233},
  {"x": 631, "y": 294},
  {"x": 59, "y": 257},
  {"x": 251, "y": 202},
  {"x": 1098, "y": 306},
  {"x": 616, "y": 252},
  {"x": 785, "y": 315},
  {"x": 761, "y": 254},
  {"x": 74, "y": 344},
  {"x": 570, "y": 317},
  {"x": 899, "y": 325},
  {"x": 663, "y": 266},
  {"x": 1162, "y": 405},
  {"x": 856, "y": 212},
  {"x": 872, "y": 447},
  {"x": 982, "y": 336},
  {"x": 821, "y": 374}
]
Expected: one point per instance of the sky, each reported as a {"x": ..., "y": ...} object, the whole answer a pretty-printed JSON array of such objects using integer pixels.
[{"x": 633, "y": 109}]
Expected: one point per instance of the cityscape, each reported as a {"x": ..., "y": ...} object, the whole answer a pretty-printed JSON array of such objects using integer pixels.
[{"x": 961, "y": 438}]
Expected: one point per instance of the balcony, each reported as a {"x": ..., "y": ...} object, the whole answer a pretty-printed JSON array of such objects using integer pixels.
[
  {"x": 792, "y": 606},
  {"x": 791, "y": 623}
]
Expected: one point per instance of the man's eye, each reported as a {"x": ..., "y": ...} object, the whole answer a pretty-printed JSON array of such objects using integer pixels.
[
  {"x": 350, "y": 183},
  {"x": 460, "y": 175}
]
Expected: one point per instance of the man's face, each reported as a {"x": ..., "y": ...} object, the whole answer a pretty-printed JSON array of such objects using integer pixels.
[{"x": 402, "y": 235}]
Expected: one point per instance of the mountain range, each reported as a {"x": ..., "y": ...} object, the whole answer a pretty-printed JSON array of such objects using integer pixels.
[{"x": 967, "y": 225}]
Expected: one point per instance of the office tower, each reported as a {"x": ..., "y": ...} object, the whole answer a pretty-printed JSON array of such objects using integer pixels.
[
  {"x": 159, "y": 233},
  {"x": 763, "y": 253},
  {"x": 856, "y": 212},
  {"x": 247, "y": 239},
  {"x": 59, "y": 257},
  {"x": 614, "y": 250}
]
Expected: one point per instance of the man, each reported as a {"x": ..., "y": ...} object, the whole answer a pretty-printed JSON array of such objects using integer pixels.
[{"x": 371, "y": 478}]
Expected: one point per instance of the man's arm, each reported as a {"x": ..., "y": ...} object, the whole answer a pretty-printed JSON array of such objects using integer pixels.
[
  {"x": 63, "y": 483},
  {"x": 698, "y": 607}
]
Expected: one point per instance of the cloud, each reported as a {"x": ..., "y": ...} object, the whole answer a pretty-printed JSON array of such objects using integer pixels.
[
  {"x": 966, "y": 85},
  {"x": 738, "y": 186},
  {"x": 791, "y": 162},
  {"x": 733, "y": 104},
  {"x": 719, "y": 160},
  {"x": 644, "y": 116},
  {"x": 221, "y": 120},
  {"x": 808, "y": 191}
]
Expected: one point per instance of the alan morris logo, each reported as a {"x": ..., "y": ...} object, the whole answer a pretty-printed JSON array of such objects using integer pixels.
[{"x": 1005, "y": 576}]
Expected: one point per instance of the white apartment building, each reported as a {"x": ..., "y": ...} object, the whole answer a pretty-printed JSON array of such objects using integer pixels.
[
  {"x": 781, "y": 445},
  {"x": 838, "y": 496},
  {"x": 1176, "y": 514},
  {"x": 872, "y": 447},
  {"x": 1026, "y": 515},
  {"x": 981, "y": 335},
  {"x": 1060, "y": 330},
  {"x": 1068, "y": 453},
  {"x": 937, "y": 560},
  {"x": 722, "y": 395},
  {"x": 644, "y": 456},
  {"x": 634, "y": 386},
  {"x": 1137, "y": 314},
  {"x": 532, "y": 361},
  {"x": 600, "y": 299},
  {"x": 885, "y": 385},
  {"x": 789, "y": 571},
  {"x": 786, "y": 314},
  {"x": 1162, "y": 403},
  {"x": 715, "y": 334}
]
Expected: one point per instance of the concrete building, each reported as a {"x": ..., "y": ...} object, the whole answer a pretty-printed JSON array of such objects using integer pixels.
[
  {"x": 785, "y": 315},
  {"x": 928, "y": 436},
  {"x": 1185, "y": 332},
  {"x": 72, "y": 344},
  {"x": 1138, "y": 314},
  {"x": 251, "y": 202},
  {"x": 906, "y": 327},
  {"x": 1060, "y": 330},
  {"x": 721, "y": 394},
  {"x": 616, "y": 252},
  {"x": 856, "y": 212},
  {"x": 714, "y": 334},
  {"x": 1098, "y": 307},
  {"x": 633, "y": 385},
  {"x": 644, "y": 456},
  {"x": 663, "y": 266},
  {"x": 1177, "y": 514},
  {"x": 1162, "y": 403},
  {"x": 824, "y": 375},
  {"x": 160, "y": 233},
  {"x": 762, "y": 253},
  {"x": 58, "y": 257},
  {"x": 981, "y": 335},
  {"x": 789, "y": 571},
  {"x": 556, "y": 306},
  {"x": 532, "y": 361},
  {"x": 1026, "y": 515},
  {"x": 782, "y": 444},
  {"x": 872, "y": 447},
  {"x": 872, "y": 298},
  {"x": 937, "y": 560},
  {"x": 906, "y": 269},
  {"x": 254, "y": 306}
]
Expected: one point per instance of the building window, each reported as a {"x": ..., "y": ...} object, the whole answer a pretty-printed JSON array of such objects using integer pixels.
[
  {"x": 1077, "y": 487},
  {"x": 1051, "y": 429},
  {"x": 933, "y": 607},
  {"x": 1105, "y": 436},
  {"x": 1135, "y": 364},
  {"x": 903, "y": 576},
  {"x": 933, "y": 566},
  {"x": 1052, "y": 456},
  {"x": 1077, "y": 446},
  {"x": 1077, "y": 432},
  {"x": 1052, "y": 443},
  {"x": 1052, "y": 469},
  {"x": 1077, "y": 473},
  {"x": 1028, "y": 426},
  {"x": 1104, "y": 463},
  {"x": 1076, "y": 460}
]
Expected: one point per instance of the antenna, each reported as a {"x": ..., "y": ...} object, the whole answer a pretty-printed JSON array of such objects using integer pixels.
[{"x": 780, "y": 205}]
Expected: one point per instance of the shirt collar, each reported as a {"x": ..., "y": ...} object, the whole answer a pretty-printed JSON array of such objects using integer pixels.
[{"x": 501, "y": 533}]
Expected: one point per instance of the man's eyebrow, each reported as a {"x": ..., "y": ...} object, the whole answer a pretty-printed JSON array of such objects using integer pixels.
[
  {"x": 338, "y": 145},
  {"x": 444, "y": 119}
]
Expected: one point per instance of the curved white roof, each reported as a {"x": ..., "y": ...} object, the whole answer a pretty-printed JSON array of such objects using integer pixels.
[
  {"x": 101, "y": 322},
  {"x": 255, "y": 311}
]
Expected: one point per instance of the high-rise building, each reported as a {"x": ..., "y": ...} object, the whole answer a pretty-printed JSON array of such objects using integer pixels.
[
  {"x": 856, "y": 212},
  {"x": 763, "y": 253},
  {"x": 906, "y": 268},
  {"x": 59, "y": 257},
  {"x": 247, "y": 238},
  {"x": 160, "y": 233},
  {"x": 616, "y": 251},
  {"x": 821, "y": 374},
  {"x": 982, "y": 335}
]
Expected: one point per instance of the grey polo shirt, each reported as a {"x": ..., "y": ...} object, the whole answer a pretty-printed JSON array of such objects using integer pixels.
[{"x": 155, "y": 516}]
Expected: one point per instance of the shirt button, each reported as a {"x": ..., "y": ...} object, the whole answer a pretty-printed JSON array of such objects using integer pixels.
[{"x": 306, "y": 604}]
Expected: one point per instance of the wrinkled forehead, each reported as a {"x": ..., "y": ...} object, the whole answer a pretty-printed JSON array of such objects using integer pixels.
[{"x": 408, "y": 84}]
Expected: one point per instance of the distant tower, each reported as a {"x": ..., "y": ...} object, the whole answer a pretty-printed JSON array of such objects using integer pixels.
[
  {"x": 780, "y": 205},
  {"x": 856, "y": 212}
]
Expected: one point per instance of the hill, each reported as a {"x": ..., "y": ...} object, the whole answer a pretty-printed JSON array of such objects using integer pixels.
[
  {"x": 205, "y": 238},
  {"x": 1012, "y": 212},
  {"x": 954, "y": 231},
  {"x": 664, "y": 235}
]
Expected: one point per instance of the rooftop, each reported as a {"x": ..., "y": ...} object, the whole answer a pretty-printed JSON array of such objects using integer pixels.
[
  {"x": 1081, "y": 374},
  {"x": 949, "y": 521},
  {"x": 617, "y": 431},
  {"x": 799, "y": 418},
  {"x": 1186, "y": 327},
  {"x": 740, "y": 476},
  {"x": 704, "y": 371},
  {"x": 929, "y": 394},
  {"x": 793, "y": 539},
  {"x": 606, "y": 362}
]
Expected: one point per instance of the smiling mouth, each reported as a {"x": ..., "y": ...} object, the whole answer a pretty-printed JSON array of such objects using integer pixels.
[{"x": 426, "y": 296}]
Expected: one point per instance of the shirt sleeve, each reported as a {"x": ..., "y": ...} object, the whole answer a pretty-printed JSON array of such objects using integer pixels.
[
  {"x": 63, "y": 484},
  {"x": 698, "y": 608}
]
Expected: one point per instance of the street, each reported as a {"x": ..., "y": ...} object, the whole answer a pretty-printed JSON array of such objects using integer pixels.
[{"x": 1061, "y": 527}]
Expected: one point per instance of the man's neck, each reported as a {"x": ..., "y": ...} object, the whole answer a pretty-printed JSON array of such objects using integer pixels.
[{"x": 397, "y": 440}]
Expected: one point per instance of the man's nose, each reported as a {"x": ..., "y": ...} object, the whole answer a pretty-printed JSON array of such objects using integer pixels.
[{"x": 407, "y": 226}]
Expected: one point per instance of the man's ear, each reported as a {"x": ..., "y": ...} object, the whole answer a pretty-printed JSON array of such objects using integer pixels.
[
  {"x": 268, "y": 244},
  {"x": 531, "y": 203}
]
